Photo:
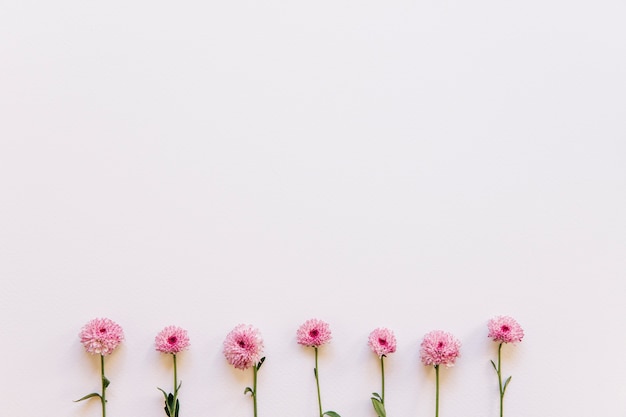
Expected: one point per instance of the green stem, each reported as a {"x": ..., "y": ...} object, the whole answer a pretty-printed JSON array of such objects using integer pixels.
[
  {"x": 255, "y": 367},
  {"x": 317, "y": 381},
  {"x": 175, "y": 378},
  {"x": 382, "y": 373},
  {"x": 436, "y": 390},
  {"x": 104, "y": 387},
  {"x": 499, "y": 370},
  {"x": 172, "y": 410}
]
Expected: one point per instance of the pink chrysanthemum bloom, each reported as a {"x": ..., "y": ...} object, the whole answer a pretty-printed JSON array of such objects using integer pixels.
[
  {"x": 505, "y": 329},
  {"x": 382, "y": 341},
  {"x": 172, "y": 339},
  {"x": 439, "y": 348},
  {"x": 314, "y": 333},
  {"x": 101, "y": 336},
  {"x": 243, "y": 346}
]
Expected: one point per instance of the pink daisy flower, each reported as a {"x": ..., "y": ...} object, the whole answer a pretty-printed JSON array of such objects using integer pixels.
[
  {"x": 505, "y": 329},
  {"x": 101, "y": 336},
  {"x": 172, "y": 339},
  {"x": 313, "y": 333},
  {"x": 382, "y": 341},
  {"x": 243, "y": 346},
  {"x": 439, "y": 348}
]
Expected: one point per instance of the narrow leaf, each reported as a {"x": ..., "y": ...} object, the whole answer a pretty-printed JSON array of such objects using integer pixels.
[
  {"x": 93, "y": 394},
  {"x": 494, "y": 366},
  {"x": 377, "y": 395},
  {"x": 331, "y": 414},
  {"x": 248, "y": 390},
  {"x": 258, "y": 366},
  {"x": 379, "y": 407},
  {"x": 169, "y": 404},
  {"x": 177, "y": 408},
  {"x": 164, "y": 393},
  {"x": 106, "y": 382},
  {"x": 506, "y": 383}
]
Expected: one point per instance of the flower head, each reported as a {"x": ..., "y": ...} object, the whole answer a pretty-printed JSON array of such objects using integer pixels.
[
  {"x": 439, "y": 348},
  {"x": 314, "y": 333},
  {"x": 505, "y": 329},
  {"x": 382, "y": 341},
  {"x": 101, "y": 336},
  {"x": 172, "y": 339},
  {"x": 243, "y": 346}
]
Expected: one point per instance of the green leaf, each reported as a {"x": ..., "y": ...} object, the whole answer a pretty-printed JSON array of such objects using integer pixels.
[
  {"x": 106, "y": 382},
  {"x": 171, "y": 405},
  {"x": 331, "y": 414},
  {"x": 506, "y": 384},
  {"x": 379, "y": 407},
  {"x": 494, "y": 366},
  {"x": 377, "y": 395},
  {"x": 315, "y": 372},
  {"x": 258, "y": 366},
  {"x": 171, "y": 402},
  {"x": 93, "y": 394},
  {"x": 164, "y": 393},
  {"x": 248, "y": 390}
]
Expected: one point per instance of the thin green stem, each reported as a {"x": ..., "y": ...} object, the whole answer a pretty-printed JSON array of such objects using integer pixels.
[
  {"x": 104, "y": 387},
  {"x": 174, "y": 406},
  {"x": 499, "y": 370},
  {"x": 436, "y": 390},
  {"x": 317, "y": 381},
  {"x": 382, "y": 374},
  {"x": 255, "y": 367},
  {"x": 175, "y": 377}
]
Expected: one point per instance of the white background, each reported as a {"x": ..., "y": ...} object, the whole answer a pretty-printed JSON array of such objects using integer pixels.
[{"x": 417, "y": 165}]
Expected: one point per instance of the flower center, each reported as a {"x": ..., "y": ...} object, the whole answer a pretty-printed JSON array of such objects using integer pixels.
[
  {"x": 241, "y": 343},
  {"x": 382, "y": 341},
  {"x": 172, "y": 340},
  {"x": 440, "y": 345},
  {"x": 314, "y": 333},
  {"x": 505, "y": 328},
  {"x": 103, "y": 330}
]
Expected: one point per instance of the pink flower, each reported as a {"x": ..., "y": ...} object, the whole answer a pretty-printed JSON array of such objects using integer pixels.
[
  {"x": 172, "y": 339},
  {"x": 505, "y": 329},
  {"x": 101, "y": 336},
  {"x": 439, "y": 348},
  {"x": 313, "y": 333},
  {"x": 382, "y": 341},
  {"x": 243, "y": 346}
]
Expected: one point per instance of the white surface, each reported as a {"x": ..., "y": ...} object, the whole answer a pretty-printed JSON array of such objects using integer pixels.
[{"x": 415, "y": 165}]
